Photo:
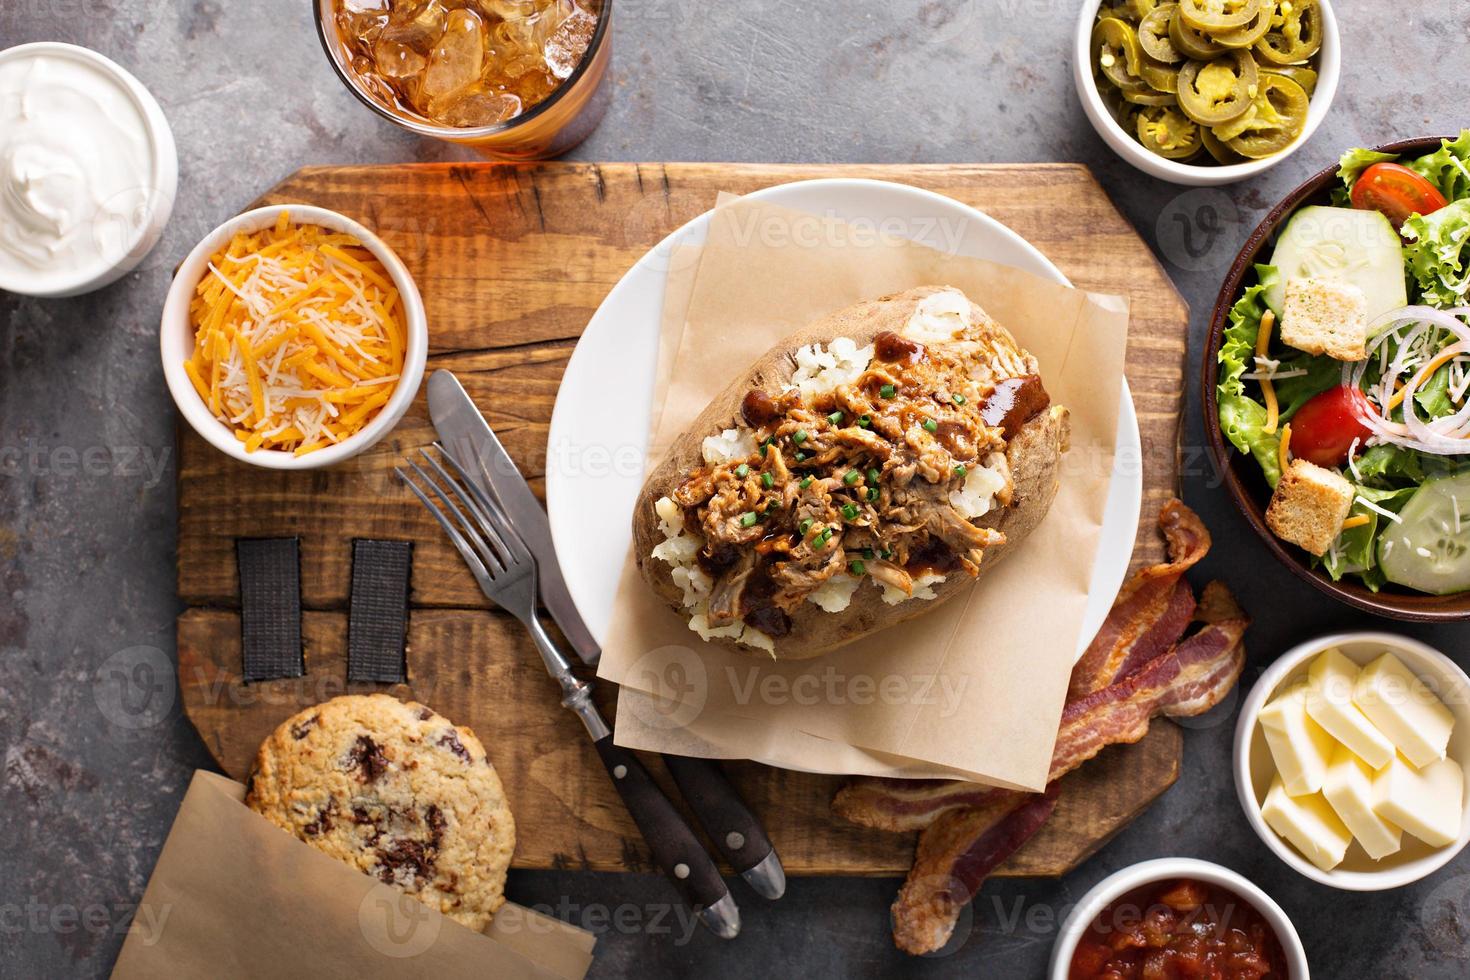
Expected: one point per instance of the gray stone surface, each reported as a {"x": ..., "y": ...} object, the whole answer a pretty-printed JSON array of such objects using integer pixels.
[{"x": 87, "y": 602}]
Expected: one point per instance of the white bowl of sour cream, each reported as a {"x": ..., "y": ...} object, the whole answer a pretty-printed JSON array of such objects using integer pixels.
[{"x": 88, "y": 170}]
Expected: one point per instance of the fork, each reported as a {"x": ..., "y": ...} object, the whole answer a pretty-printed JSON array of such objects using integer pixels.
[{"x": 506, "y": 572}]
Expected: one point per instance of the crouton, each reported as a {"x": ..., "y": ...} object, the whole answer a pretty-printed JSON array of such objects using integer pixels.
[
  {"x": 1309, "y": 506},
  {"x": 1326, "y": 316}
]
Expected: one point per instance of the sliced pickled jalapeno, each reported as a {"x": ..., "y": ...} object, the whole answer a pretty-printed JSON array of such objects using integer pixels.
[
  {"x": 1169, "y": 133},
  {"x": 1223, "y": 154},
  {"x": 1190, "y": 42},
  {"x": 1303, "y": 76},
  {"x": 1217, "y": 92},
  {"x": 1247, "y": 36},
  {"x": 1280, "y": 115},
  {"x": 1222, "y": 80},
  {"x": 1153, "y": 35},
  {"x": 1159, "y": 76},
  {"x": 1295, "y": 34},
  {"x": 1116, "y": 44},
  {"x": 1218, "y": 15}
]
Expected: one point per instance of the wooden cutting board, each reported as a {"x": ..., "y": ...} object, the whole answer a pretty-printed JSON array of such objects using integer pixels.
[{"x": 512, "y": 261}]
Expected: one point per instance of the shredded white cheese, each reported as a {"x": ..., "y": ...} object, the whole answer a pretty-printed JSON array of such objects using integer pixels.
[
  {"x": 923, "y": 589},
  {"x": 822, "y": 369}
]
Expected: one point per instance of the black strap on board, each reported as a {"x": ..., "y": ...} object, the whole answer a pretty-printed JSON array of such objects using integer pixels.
[
  {"x": 377, "y": 626},
  {"x": 270, "y": 608}
]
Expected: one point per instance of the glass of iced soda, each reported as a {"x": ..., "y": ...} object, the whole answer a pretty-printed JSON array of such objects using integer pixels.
[{"x": 514, "y": 79}]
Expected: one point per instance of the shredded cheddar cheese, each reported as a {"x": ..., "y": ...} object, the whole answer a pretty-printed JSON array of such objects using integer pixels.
[
  {"x": 1268, "y": 390},
  {"x": 1283, "y": 451},
  {"x": 1356, "y": 521},
  {"x": 299, "y": 337}
]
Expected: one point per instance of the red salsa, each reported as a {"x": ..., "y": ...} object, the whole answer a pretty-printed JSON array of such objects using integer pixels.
[{"x": 1178, "y": 929}]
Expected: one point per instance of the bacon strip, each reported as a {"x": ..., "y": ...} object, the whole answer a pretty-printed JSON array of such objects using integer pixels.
[
  {"x": 954, "y": 858},
  {"x": 1151, "y": 611}
]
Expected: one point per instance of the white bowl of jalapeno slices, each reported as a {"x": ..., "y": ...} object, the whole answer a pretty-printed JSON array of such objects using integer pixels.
[{"x": 1206, "y": 92}]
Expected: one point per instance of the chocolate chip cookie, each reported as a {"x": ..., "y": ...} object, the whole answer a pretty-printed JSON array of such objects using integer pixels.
[{"x": 396, "y": 791}]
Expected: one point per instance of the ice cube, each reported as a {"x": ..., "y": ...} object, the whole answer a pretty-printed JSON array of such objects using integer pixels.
[
  {"x": 397, "y": 60},
  {"x": 568, "y": 43},
  {"x": 457, "y": 59},
  {"x": 510, "y": 9},
  {"x": 361, "y": 27},
  {"x": 479, "y": 109}
]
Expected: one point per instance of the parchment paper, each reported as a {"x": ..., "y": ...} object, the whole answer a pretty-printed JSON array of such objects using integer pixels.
[
  {"x": 972, "y": 689},
  {"x": 235, "y": 896}
]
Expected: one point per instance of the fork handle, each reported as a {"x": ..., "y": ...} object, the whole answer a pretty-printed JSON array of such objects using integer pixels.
[{"x": 675, "y": 848}]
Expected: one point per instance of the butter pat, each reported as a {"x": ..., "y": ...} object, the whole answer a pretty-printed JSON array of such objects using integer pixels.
[
  {"x": 1309, "y": 824},
  {"x": 1331, "y": 682},
  {"x": 1349, "y": 790},
  {"x": 1403, "y": 708},
  {"x": 1429, "y": 802},
  {"x": 1299, "y": 746}
]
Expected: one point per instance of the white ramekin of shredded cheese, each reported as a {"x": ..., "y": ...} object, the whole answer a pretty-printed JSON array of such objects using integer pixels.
[
  {"x": 88, "y": 170},
  {"x": 177, "y": 340}
]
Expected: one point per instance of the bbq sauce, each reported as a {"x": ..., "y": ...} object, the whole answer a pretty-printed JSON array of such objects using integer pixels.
[
  {"x": 889, "y": 346},
  {"x": 933, "y": 556},
  {"x": 759, "y": 409},
  {"x": 1013, "y": 403},
  {"x": 757, "y": 608}
]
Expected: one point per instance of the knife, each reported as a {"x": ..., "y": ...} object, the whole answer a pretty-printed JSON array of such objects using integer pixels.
[{"x": 725, "y": 817}]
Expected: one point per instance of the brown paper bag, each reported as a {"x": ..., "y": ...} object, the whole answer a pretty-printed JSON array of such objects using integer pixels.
[
  {"x": 235, "y": 896},
  {"x": 977, "y": 685}
]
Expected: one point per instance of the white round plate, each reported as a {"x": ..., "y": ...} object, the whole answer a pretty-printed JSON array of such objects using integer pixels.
[{"x": 596, "y": 448}]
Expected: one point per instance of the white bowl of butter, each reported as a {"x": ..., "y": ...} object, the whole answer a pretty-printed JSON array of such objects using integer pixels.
[
  {"x": 1350, "y": 760},
  {"x": 88, "y": 170}
]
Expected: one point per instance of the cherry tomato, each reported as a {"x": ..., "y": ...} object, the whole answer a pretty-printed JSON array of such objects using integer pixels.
[
  {"x": 1396, "y": 191},
  {"x": 1323, "y": 430}
]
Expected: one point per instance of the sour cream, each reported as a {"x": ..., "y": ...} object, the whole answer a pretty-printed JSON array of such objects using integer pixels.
[{"x": 88, "y": 170}]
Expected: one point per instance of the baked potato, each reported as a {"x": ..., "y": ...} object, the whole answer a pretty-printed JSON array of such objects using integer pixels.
[{"x": 868, "y": 468}]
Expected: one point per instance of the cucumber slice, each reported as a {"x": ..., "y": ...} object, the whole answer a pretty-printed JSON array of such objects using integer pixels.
[
  {"x": 1430, "y": 550},
  {"x": 1342, "y": 243}
]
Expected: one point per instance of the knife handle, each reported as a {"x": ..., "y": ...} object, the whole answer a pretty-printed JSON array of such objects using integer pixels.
[
  {"x": 675, "y": 848},
  {"x": 725, "y": 817}
]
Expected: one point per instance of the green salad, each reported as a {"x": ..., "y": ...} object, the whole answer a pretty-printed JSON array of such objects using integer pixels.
[{"x": 1345, "y": 373}]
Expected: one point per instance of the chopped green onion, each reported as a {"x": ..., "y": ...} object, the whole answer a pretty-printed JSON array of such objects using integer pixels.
[
  {"x": 873, "y": 475},
  {"x": 799, "y": 436},
  {"x": 885, "y": 554},
  {"x": 835, "y": 418},
  {"x": 800, "y": 456},
  {"x": 767, "y": 480},
  {"x": 742, "y": 471},
  {"x": 931, "y": 426},
  {"x": 959, "y": 399},
  {"x": 850, "y": 511},
  {"x": 873, "y": 494},
  {"x": 806, "y": 481},
  {"x": 960, "y": 470},
  {"x": 868, "y": 553},
  {"x": 864, "y": 421},
  {"x": 856, "y": 567},
  {"x": 888, "y": 391},
  {"x": 806, "y": 526},
  {"x": 764, "y": 446},
  {"x": 852, "y": 478},
  {"x": 824, "y": 537},
  {"x": 749, "y": 518}
]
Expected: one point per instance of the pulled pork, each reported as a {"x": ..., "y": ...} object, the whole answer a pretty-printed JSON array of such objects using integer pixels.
[{"x": 859, "y": 478}]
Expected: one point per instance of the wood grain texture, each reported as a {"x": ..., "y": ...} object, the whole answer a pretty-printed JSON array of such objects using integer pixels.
[{"x": 512, "y": 261}]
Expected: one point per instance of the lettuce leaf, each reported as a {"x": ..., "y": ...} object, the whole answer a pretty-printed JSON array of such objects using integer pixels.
[
  {"x": 1448, "y": 168},
  {"x": 1243, "y": 418},
  {"x": 1357, "y": 549},
  {"x": 1438, "y": 253},
  {"x": 1390, "y": 464},
  {"x": 1354, "y": 162}
]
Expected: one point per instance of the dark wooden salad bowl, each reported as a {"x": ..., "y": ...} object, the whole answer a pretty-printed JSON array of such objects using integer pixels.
[{"x": 1243, "y": 479}]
